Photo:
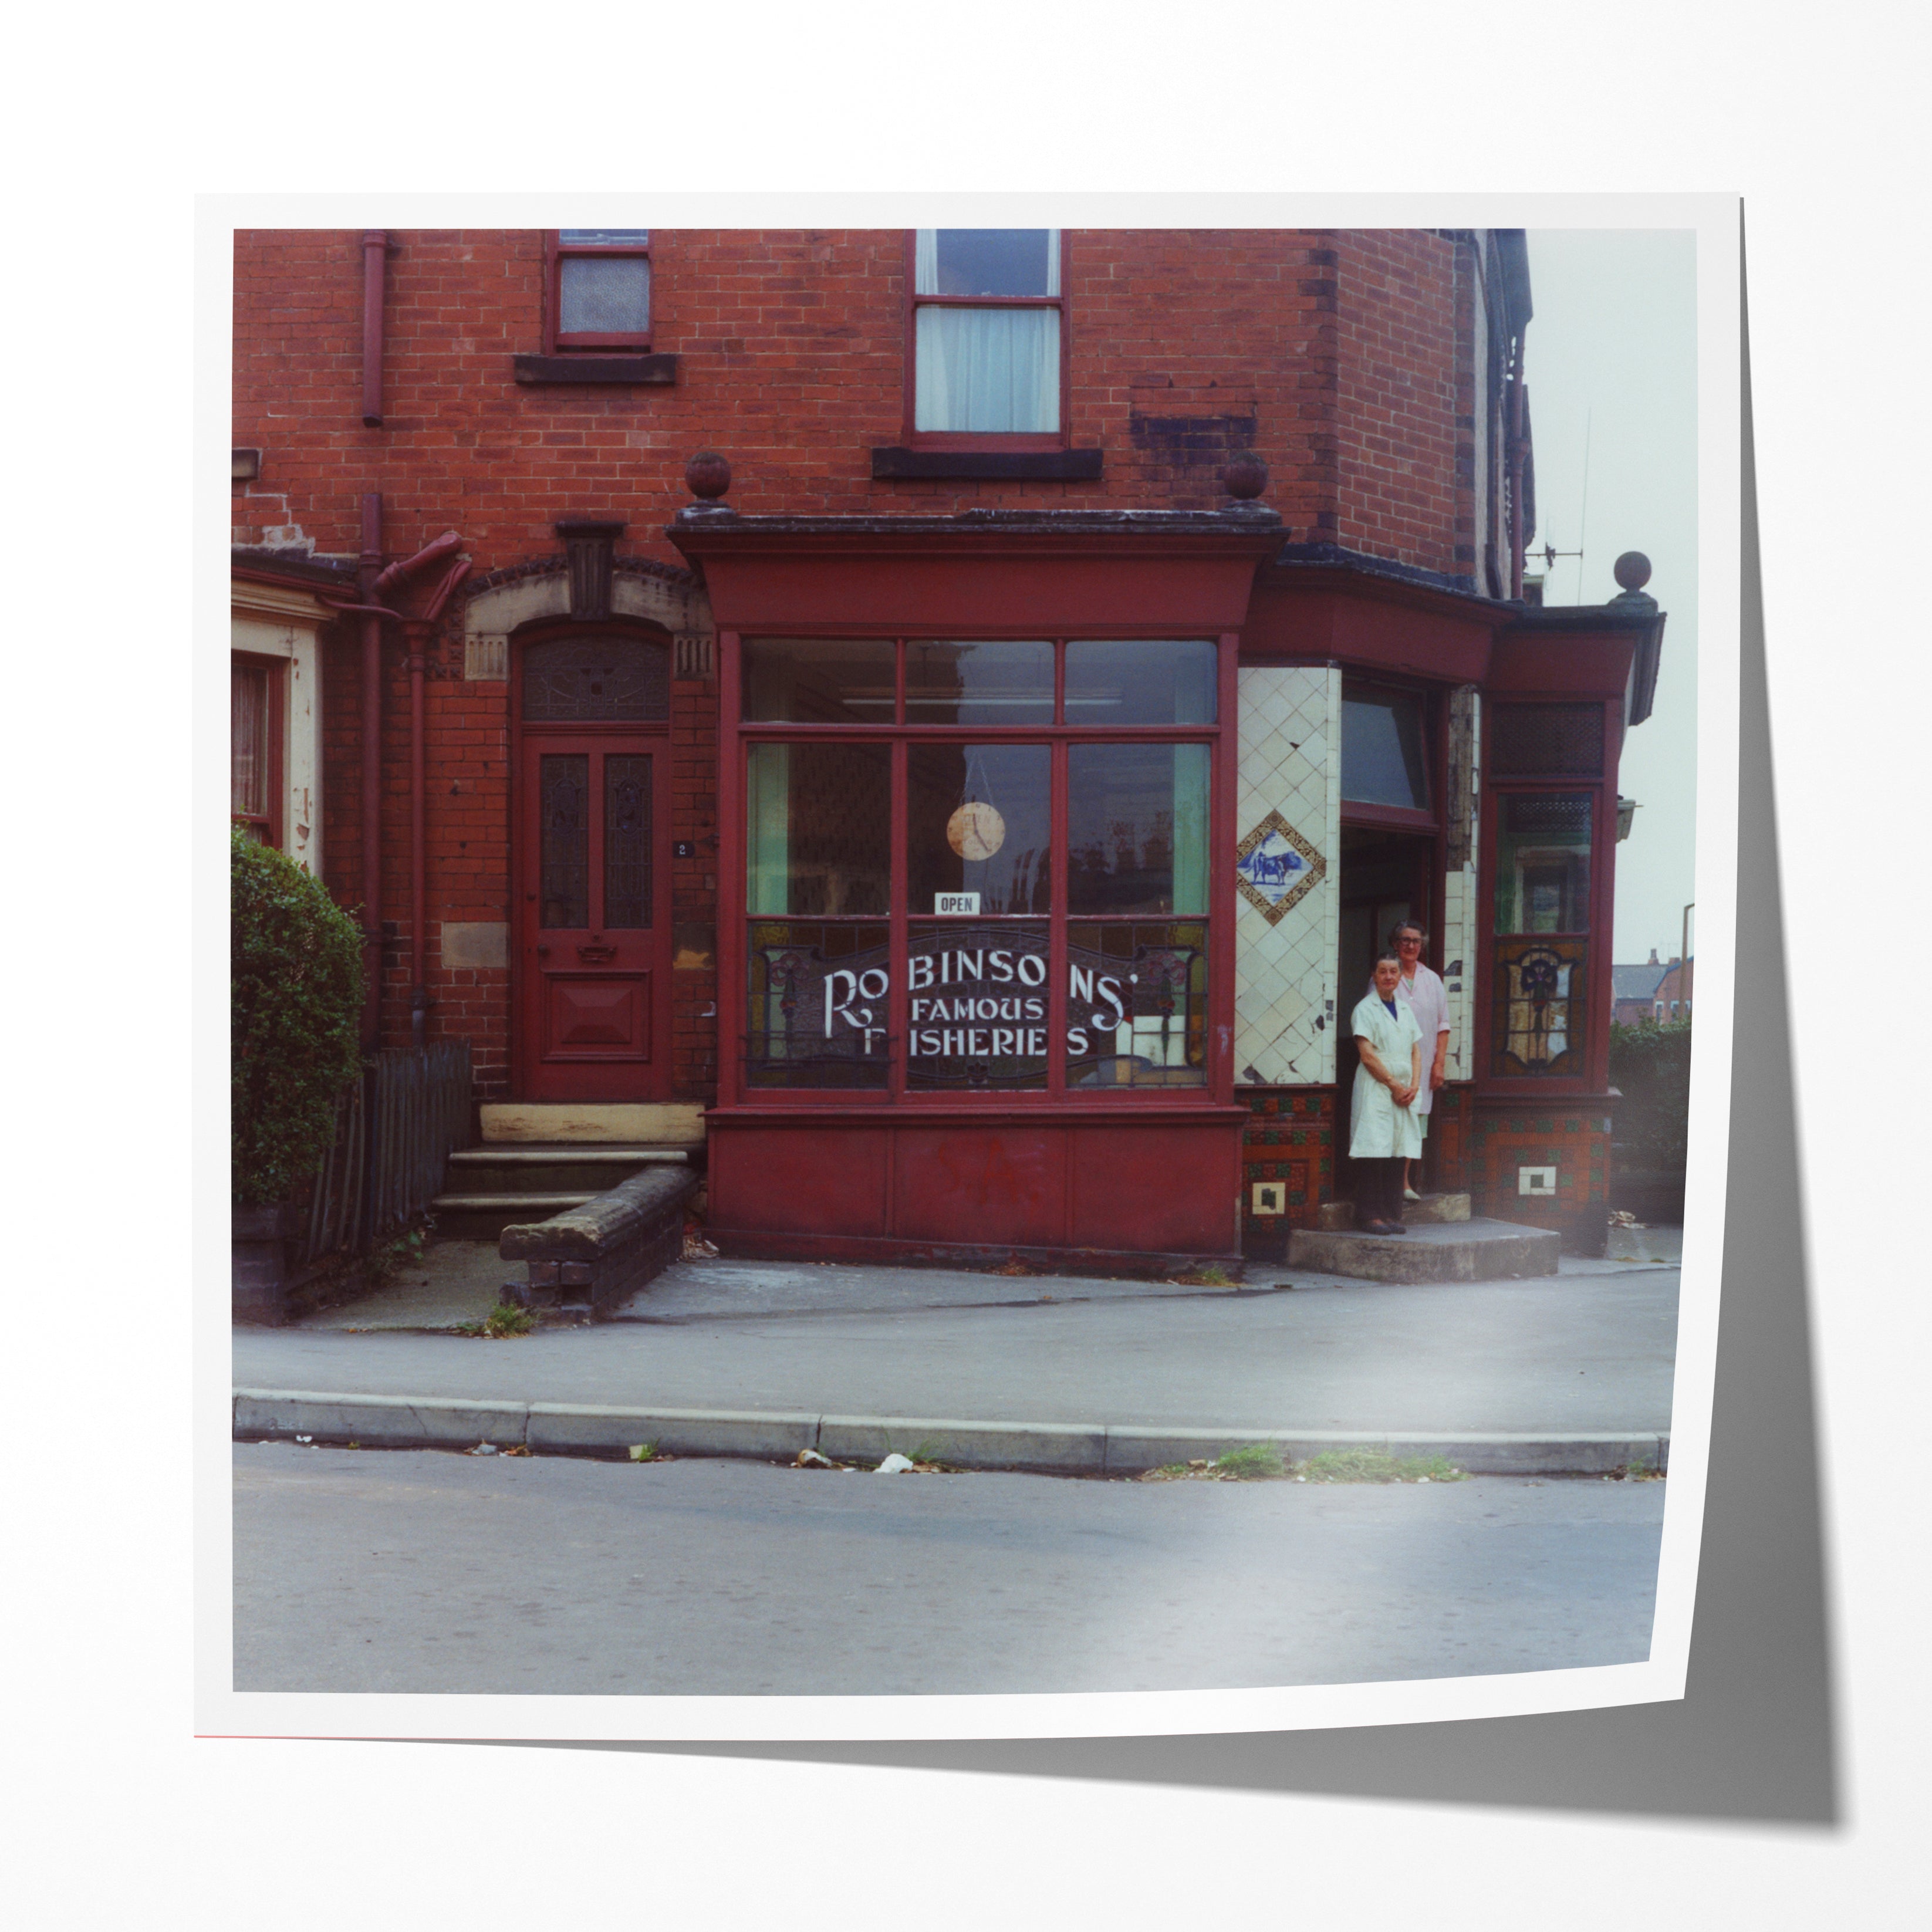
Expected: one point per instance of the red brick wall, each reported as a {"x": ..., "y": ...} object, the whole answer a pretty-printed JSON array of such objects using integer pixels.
[
  {"x": 1330, "y": 353},
  {"x": 1396, "y": 414}
]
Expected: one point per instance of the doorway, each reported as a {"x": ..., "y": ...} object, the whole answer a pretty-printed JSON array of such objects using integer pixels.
[
  {"x": 1386, "y": 877},
  {"x": 591, "y": 1018}
]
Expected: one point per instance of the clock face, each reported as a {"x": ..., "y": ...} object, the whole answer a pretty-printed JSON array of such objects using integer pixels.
[{"x": 975, "y": 831}]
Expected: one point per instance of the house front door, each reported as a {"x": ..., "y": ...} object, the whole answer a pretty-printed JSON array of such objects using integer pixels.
[{"x": 593, "y": 929}]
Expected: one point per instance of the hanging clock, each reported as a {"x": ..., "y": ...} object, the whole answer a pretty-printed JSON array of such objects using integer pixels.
[{"x": 975, "y": 830}]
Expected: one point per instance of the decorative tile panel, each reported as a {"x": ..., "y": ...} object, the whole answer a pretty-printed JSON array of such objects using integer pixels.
[{"x": 1288, "y": 795}]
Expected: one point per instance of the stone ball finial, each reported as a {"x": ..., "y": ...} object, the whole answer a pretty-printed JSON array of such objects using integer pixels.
[
  {"x": 1244, "y": 476},
  {"x": 707, "y": 476},
  {"x": 1631, "y": 570}
]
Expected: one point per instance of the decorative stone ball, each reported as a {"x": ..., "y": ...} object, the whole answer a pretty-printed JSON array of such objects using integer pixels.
[
  {"x": 1631, "y": 570},
  {"x": 707, "y": 475},
  {"x": 1244, "y": 477}
]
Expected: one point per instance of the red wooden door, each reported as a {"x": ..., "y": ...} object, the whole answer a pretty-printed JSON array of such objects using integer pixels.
[{"x": 593, "y": 940}]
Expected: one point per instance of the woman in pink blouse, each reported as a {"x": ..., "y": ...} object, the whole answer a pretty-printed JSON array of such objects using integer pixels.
[{"x": 1424, "y": 994}]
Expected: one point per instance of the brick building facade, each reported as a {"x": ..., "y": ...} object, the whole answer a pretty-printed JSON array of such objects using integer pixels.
[{"x": 1309, "y": 451}]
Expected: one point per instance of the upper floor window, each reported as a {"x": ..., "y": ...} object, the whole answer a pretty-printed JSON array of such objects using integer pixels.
[
  {"x": 255, "y": 748},
  {"x": 988, "y": 333},
  {"x": 600, "y": 289}
]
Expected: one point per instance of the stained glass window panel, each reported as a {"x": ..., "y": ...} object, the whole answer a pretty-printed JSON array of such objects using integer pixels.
[
  {"x": 609, "y": 679},
  {"x": 627, "y": 841},
  {"x": 564, "y": 800}
]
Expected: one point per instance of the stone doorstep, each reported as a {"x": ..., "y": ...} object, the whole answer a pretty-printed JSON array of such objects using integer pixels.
[
  {"x": 666, "y": 1123},
  {"x": 1478, "y": 1250},
  {"x": 1338, "y": 1217}
]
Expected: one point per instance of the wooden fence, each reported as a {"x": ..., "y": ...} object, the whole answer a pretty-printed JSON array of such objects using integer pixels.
[{"x": 395, "y": 1129}]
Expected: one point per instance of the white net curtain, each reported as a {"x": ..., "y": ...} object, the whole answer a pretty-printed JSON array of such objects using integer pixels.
[{"x": 985, "y": 371}]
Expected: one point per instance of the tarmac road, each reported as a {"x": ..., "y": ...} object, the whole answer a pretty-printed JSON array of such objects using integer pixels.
[{"x": 421, "y": 1571}]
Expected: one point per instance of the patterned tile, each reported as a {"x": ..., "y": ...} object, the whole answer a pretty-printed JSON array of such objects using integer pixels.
[{"x": 1285, "y": 969}]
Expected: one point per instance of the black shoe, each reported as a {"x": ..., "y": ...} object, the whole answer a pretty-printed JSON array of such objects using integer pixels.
[{"x": 1395, "y": 1227}]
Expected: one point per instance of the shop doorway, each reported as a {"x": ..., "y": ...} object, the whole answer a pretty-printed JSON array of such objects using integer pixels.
[
  {"x": 592, "y": 1019},
  {"x": 1386, "y": 877}
]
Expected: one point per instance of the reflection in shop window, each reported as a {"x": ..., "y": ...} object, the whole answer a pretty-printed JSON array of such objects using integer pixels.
[
  {"x": 1006, "y": 682},
  {"x": 1137, "y": 829},
  {"x": 818, "y": 820},
  {"x": 1137, "y": 1003},
  {"x": 979, "y": 829},
  {"x": 816, "y": 1015}
]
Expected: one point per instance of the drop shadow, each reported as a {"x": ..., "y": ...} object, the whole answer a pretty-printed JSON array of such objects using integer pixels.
[{"x": 1756, "y": 1736}]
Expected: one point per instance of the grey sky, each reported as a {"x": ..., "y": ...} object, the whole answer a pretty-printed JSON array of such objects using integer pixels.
[{"x": 1612, "y": 359}]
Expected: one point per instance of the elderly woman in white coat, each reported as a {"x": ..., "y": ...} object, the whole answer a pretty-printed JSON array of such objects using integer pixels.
[{"x": 1384, "y": 1136}]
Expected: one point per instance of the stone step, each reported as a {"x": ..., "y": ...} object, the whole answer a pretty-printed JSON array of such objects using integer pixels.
[
  {"x": 482, "y": 1217},
  {"x": 1473, "y": 1250},
  {"x": 1338, "y": 1217},
  {"x": 641, "y": 1123},
  {"x": 554, "y": 1168}
]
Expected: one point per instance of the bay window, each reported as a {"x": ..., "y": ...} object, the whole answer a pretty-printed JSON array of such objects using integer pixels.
[{"x": 977, "y": 866}]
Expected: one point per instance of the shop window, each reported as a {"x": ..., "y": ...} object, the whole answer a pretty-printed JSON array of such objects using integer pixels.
[
  {"x": 600, "y": 289},
  {"x": 255, "y": 748},
  {"x": 989, "y": 330},
  {"x": 1542, "y": 920},
  {"x": 1542, "y": 862},
  {"x": 1039, "y": 920},
  {"x": 1382, "y": 761}
]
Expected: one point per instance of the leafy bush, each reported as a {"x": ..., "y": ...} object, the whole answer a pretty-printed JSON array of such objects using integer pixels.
[
  {"x": 296, "y": 996},
  {"x": 1650, "y": 1064}
]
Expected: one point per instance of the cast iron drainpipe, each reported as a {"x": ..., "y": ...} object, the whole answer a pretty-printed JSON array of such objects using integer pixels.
[
  {"x": 417, "y": 629},
  {"x": 375, "y": 259}
]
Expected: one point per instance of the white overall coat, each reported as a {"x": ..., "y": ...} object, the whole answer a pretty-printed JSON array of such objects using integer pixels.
[{"x": 1380, "y": 1130}]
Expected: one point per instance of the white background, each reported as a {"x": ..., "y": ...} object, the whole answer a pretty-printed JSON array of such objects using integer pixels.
[{"x": 122, "y": 1817}]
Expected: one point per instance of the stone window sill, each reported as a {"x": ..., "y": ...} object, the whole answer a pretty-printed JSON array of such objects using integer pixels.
[
  {"x": 996, "y": 466},
  {"x": 629, "y": 370}
]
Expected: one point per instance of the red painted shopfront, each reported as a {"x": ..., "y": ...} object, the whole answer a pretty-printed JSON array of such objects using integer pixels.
[{"x": 981, "y": 772}]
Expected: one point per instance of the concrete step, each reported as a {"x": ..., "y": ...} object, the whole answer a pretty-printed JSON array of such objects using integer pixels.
[
  {"x": 1474, "y": 1250},
  {"x": 554, "y": 1168},
  {"x": 1338, "y": 1217},
  {"x": 482, "y": 1217}
]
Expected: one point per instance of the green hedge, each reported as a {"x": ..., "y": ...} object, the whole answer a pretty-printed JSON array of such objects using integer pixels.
[
  {"x": 1650, "y": 1065},
  {"x": 295, "y": 1000}
]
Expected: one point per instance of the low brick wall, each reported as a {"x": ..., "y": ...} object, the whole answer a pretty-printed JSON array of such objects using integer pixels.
[{"x": 598, "y": 1255}]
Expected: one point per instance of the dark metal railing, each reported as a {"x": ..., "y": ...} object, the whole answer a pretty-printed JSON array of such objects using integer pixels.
[{"x": 395, "y": 1129}]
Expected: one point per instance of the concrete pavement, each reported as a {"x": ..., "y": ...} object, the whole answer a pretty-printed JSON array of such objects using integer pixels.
[{"x": 1570, "y": 1373}]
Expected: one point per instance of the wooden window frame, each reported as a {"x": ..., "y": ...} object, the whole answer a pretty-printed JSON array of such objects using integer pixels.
[
  {"x": 915, "y": 438},
  {"x": 274, "y": 820},
  {"x": 1435, "y": 762},
  {"x": 556, "y": 251},
  {"x": 899, "y": 1095}
]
